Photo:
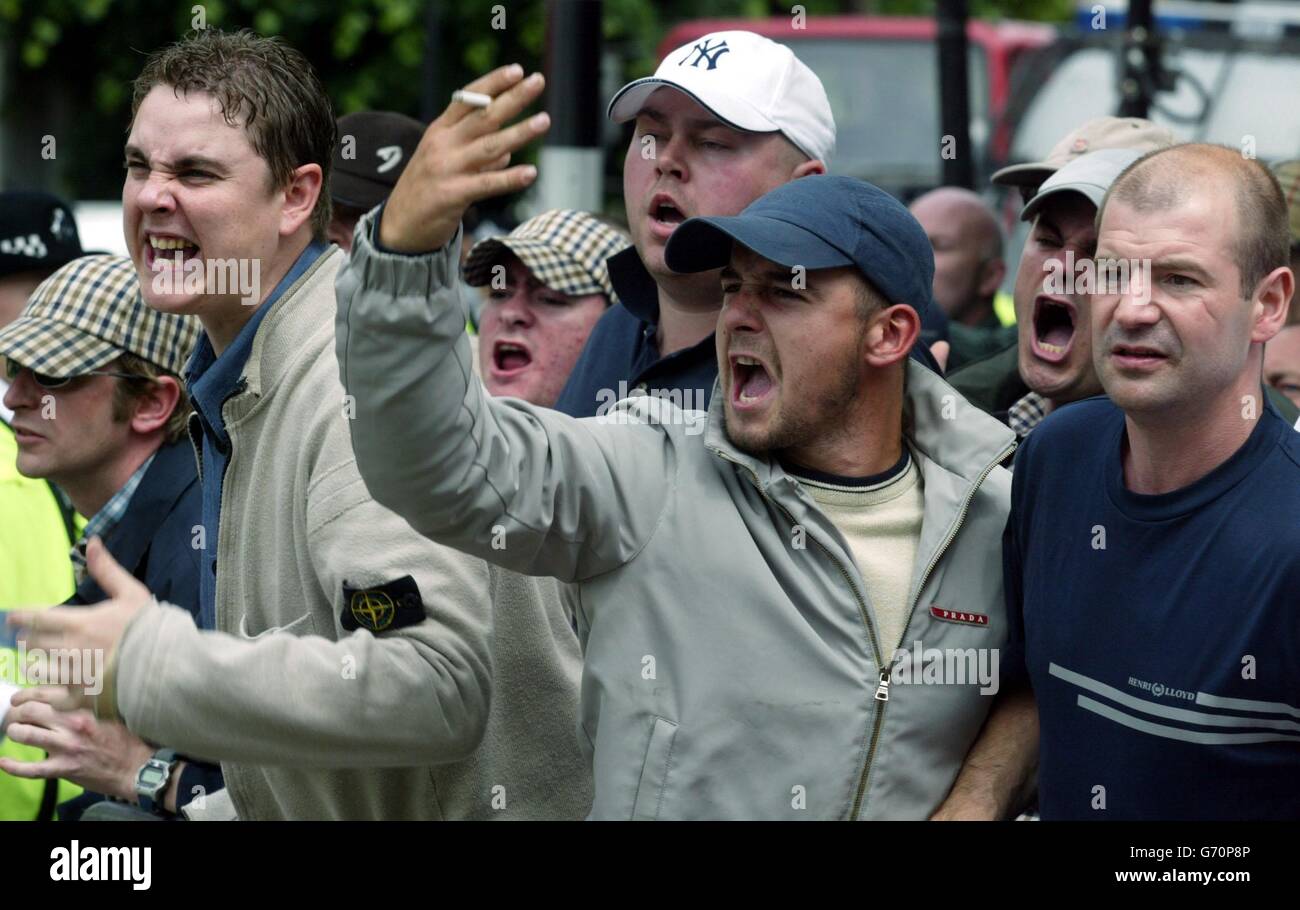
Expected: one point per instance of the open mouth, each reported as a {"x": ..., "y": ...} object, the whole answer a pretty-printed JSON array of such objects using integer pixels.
[
  {"x": 751, "y": 383},
  {"x": 665, "y": 214},
  {"x": 1054, "y": 324},
  {"x": 510, "y": 359},
  {"x": 166, "y": 247}
]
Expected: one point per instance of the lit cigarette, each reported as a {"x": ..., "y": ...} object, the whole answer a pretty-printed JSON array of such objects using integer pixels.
[{"x": 473, "y": 99}]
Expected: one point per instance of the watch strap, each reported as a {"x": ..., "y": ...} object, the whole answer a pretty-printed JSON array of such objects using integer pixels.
[{"x": 151, "y": 800}]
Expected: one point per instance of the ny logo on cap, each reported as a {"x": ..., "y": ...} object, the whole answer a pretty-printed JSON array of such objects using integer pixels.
[
  {"x": 707, "y": 51},
  {"x": 392, "y": 155}
]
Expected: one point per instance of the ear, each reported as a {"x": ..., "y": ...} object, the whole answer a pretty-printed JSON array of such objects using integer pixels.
[
  {"x": 300, "y": 195},
  {"x": 1271, "y": 303},
  {"x": 811, "y": 166},
  {"x": 892, "y": 333},
  {"x": 991, "y": 274},
  {"x": 155, "y": 407}
]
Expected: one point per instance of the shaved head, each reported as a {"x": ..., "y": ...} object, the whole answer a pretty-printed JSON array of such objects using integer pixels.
[
  {"x": 1166, "y": 179},
  {"x": 967, "y": 246},
  {"x": 966, "y": 211}
]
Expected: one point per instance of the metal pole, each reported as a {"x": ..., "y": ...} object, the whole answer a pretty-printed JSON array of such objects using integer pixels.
[
  {"x": 433, "y": 94},
  {"x": 954, "y": 100},
  {"x": 572, "y": 162},
  {"x": 1140, "y": 63}
]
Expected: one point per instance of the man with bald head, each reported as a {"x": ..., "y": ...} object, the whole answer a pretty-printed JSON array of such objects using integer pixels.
[
  {"x": 967, "y": 245},
  {"x": 1152, "y": 557},
  {"x": 968, "y": 269}
]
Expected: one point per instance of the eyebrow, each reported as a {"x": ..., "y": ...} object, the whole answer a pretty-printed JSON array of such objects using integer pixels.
[
  {"x": 1045, "y": 221},
  {"x": 694, "y": 123},
  {"x": 188, "y": 162},
  {"x": 772, "y": 275},
  {"x": 1180, "y": 264}
]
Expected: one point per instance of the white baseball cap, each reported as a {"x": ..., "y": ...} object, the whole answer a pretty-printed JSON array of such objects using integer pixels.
[{"x": 748, "y": 82}]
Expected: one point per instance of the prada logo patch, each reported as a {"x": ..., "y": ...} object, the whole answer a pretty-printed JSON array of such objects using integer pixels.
[
  {"x": 388, "y": 606},
  {"x": 970, "y": 619}
]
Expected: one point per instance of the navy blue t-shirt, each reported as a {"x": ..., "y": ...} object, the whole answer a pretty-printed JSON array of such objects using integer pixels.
[{"x": 1161, "y": 633}]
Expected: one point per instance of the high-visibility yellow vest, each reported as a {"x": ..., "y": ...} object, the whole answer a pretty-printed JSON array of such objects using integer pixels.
[
  {"x": 35, "y": 571},
  {"x": 1004, "y": 305}
]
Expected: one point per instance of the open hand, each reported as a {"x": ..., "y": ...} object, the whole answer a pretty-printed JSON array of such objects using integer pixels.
[{"x": 464, "y": 157}]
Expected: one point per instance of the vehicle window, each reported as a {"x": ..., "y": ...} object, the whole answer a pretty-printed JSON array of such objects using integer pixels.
[
  {"x": 885, "y": 97},
  {"x": 1251, "y": 87}
]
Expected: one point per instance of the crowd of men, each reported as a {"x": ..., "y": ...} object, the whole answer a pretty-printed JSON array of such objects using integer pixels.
[{"x": 682, "y": 522}]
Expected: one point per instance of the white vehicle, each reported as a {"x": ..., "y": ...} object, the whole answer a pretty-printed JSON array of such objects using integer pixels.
[{"x": 100, "y": 225}]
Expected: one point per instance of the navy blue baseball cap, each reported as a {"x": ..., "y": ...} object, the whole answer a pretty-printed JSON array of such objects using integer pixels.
[
  {"x": 820, "y": 222},
  {"x": 825, "y": 222}
]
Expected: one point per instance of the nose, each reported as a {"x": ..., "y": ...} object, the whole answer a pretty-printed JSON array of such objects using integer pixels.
[
  {"x": 740, "y": 311},
  {"x": 156, "y": 195},
  {"x": 515, "y": 310},
  {"x": 23, "y": 392},
  {"x": 670, "y": 157},
  {"x": 1135, "y": 308}
]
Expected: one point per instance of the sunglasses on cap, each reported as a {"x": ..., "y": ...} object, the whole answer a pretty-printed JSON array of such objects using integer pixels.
[{"x": 46, "y": 381}]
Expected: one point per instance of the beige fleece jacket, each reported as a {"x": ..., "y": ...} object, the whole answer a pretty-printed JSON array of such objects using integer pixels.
[{"x": 458, "y": 715}]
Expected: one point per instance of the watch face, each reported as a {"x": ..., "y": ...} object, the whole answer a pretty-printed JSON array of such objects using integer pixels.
[{"x": 151, "y": 776}]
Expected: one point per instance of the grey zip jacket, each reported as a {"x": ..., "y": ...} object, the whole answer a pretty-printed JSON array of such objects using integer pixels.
[{"x": 732, "y": 669}]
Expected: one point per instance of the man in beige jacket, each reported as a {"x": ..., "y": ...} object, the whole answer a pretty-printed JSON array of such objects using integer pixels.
[{"x": 359, "y": 671}]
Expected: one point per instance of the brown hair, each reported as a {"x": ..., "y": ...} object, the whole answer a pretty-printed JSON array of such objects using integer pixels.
[
  {"x": 128, "y": 391},
  {"x": 869, "y": 300},
  {"x": 1165, "y": 178},
  {"x": 264, "y": 82}
]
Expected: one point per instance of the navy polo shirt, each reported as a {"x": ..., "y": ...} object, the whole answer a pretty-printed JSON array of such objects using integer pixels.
[
  {"x": 1161, "y": 633},
  {"x": 212, "y": 380},
  {"x": 621, "y": 354}
]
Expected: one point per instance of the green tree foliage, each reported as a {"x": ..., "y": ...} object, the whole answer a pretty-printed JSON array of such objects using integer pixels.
[{"x": 370, "y": 53}]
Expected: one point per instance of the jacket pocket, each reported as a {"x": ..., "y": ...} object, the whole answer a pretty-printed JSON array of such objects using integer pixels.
[{"x": 654, "y": 771}]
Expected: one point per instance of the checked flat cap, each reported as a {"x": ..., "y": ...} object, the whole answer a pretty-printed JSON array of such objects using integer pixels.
[
  {"x": 90, "y": 312},
  {"x": 565, "y": 250}
]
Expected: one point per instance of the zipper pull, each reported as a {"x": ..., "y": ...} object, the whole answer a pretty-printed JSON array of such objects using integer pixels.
[{"x": 882, "y": 690}]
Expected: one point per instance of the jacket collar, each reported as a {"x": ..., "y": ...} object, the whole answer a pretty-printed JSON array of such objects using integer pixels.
[
  {"x": 293, "y": 317},
  {"x": 213, "y": 380},
  {"x": 169, "y": 476},
  {"x": 634, "y": 285},
  {"x": 937, "y": 421}
]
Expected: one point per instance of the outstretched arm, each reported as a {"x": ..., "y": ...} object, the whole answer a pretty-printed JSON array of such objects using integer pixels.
[{"x": 525, "y": 487}]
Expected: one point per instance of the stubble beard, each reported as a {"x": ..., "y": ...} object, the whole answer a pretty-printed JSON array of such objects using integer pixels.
[{"x": 800, "y": 425}]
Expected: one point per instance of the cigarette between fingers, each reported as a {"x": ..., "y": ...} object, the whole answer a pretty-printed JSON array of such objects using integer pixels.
[{"x": 473, "y": 99}]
